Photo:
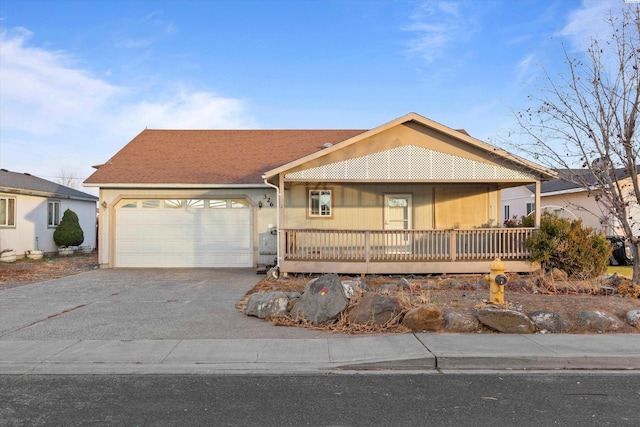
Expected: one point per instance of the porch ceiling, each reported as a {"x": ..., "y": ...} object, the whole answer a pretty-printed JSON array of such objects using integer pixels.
[{"x": 410, "y": 162}]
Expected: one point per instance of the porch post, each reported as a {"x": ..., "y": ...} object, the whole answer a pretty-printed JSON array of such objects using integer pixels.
[
  {"x": 538, "y": 206},
  {"x": 280, "y": 206}
]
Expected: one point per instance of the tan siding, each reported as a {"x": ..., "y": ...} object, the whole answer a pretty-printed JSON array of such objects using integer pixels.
[
  {"x": 495, "y": 207},
  {"x": 463, "y": 206},
  {"x": 357, "y": 206}
]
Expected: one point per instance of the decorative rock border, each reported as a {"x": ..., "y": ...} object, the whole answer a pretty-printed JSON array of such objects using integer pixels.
[{"x": 326, "y": 298}]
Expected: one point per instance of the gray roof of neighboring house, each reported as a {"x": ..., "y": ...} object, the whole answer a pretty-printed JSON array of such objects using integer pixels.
[
  {"x": 561, "y": 185},
  {"x": 24, "y": 183}
]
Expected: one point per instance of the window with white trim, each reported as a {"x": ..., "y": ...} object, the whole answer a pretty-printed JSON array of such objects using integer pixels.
[
  {"x": 7, "y": 212},
  {"x": 150, "y": 204},
  {"x": 531, "y": 206},
  {"x": 53, "y": 213},
  {"x": 239, "y": 204},
  {"x": 320, "y": 203},
  {"x": 195, "y": 204},
  {"x": 507, "y": 212},
  {"x": 217, "y": 204}
]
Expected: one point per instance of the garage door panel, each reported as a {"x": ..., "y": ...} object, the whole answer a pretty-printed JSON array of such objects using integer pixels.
[{"x": 184, "y": 237}]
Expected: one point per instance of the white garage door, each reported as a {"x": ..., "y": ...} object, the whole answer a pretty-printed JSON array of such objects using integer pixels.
[{"x": 184, "y": 233}]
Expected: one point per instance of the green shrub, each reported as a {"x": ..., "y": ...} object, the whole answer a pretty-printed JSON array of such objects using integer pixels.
[
  {"x": 528, "y": 221},
  {"x": 68, "y": 232},
  {"x": 569, "y": 246},
  {"x": 524, "y": 221}
]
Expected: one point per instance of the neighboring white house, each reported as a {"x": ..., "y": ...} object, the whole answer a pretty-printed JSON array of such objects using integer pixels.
[
  {"x": 32, "y": 207},
  {"x": 567, "y": 200}
]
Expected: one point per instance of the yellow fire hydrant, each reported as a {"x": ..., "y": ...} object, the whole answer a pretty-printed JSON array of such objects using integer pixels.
[{"x": 497, "y": 280}]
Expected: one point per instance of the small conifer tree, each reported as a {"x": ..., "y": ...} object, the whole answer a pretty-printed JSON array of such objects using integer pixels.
[{"x": 68, "y": 232}]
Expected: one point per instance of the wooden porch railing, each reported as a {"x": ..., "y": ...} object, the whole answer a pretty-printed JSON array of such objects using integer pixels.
[{"x": 406, "y": 245}]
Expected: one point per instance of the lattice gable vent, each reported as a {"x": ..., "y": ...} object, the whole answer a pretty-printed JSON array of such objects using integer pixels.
[{"x": 409, "y": 162}]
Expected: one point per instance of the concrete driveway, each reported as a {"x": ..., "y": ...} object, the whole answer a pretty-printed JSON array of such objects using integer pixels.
[{"x": 137, "y": 304}]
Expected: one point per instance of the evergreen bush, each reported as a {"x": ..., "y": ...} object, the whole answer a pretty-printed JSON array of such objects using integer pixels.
[
  {"x": 68, "y": 232},
  {"x": 569, "y": 246}
]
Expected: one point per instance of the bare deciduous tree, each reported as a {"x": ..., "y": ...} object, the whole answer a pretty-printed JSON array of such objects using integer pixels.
[
  {"x": 69, "y": 178},
  {"x": 585, "y": 122}
]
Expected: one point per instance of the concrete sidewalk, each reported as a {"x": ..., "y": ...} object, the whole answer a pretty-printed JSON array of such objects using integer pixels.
[
  {"x": 419, "y": 352},
  {"x": 184, "y": 321}
]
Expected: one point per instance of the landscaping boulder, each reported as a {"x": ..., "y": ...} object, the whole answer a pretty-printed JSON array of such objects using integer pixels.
[
  {"x": 550, "y": 321},
  {"x": 426, "y": 318},
  {"x": 507, "y": 321},
  {"x": 268, "y": 305},
  {"x": 610, "y": 280},
  {"x": 294, "y": 295},
  {"x": 598, "y": 321},
  {"x": 459, "y": 322},
  {"x": 374, "y": 309},
  {"x": 633, "y": 318},
  {"x": 357, "y": 285},
  {"x": 322, "y": 300},
  {"x": 404, "y": 284}
]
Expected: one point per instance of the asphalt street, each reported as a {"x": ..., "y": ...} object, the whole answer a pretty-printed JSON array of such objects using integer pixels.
[{"x": 504, "y": 399}]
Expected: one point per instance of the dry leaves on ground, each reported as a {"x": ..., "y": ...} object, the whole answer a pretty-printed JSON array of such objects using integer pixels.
[
  {"x": 467, "y": 293},
  {"x": 24, "y": 271}
]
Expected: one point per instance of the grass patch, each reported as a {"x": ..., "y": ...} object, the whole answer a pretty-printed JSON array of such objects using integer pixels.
[{"x": 622, "y": 270}]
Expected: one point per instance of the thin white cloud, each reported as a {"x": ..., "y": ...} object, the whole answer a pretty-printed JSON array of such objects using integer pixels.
[
  {"x": 133, "y": 43},
  {"x": 185, "y": 109},
  {"x": 55, "y": 114},
  {"x": 589, "y": 22},
  {"x": 145, "y": 32},
  {"x": 526, "y": 69},
  {"x": 42, "y": 93},
  {"x": 436, "y": 27},
  {"x": 155, "y": 18}
]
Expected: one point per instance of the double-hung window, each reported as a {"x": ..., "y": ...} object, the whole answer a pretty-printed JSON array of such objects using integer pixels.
[
  {"x": 53, "y": 213},
  {"x": 7, "y": 212},
  {"x": 531, "y": 206},
  {"x": 320, "y": 203}
]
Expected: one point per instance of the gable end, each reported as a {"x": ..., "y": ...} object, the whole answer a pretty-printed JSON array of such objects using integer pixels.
[{"x": 409, "y": 162}]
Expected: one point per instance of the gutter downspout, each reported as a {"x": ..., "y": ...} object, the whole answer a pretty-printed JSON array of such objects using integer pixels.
[{"x": 277, "y": 219}]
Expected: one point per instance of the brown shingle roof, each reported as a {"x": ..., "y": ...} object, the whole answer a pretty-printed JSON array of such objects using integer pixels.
[{"x": 210, "y": 156}]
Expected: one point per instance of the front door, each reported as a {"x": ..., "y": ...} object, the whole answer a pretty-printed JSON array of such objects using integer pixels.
[{"x": 397, "y": 216}]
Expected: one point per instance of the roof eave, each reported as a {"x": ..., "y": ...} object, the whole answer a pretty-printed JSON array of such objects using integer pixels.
[
  {"x": 170, "y": 185},
  {"x": 48, "y": 194},
  {"x": 570, "y": 191}
]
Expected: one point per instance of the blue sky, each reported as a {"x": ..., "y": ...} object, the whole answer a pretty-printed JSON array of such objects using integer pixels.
[{"x": 80, "y": 79}]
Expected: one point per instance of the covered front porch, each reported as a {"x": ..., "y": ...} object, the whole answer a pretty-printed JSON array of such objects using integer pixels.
[
  {"x": 409, "y": 197},
  {"x": 404, "y": 251}
]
